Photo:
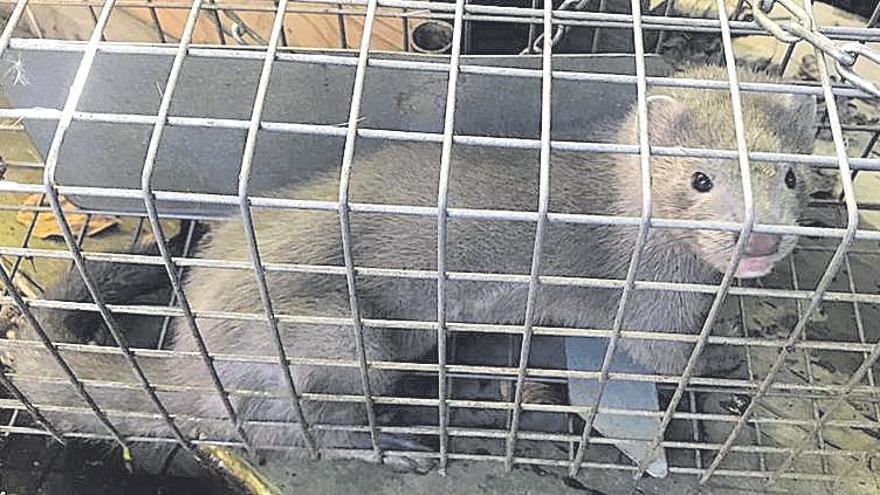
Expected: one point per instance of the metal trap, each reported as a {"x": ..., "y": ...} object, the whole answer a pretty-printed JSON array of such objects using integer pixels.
[{"x": 173, "y": 111}]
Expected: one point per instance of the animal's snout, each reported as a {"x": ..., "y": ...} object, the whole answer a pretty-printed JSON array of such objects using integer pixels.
[{"x": 762, "y": 244}]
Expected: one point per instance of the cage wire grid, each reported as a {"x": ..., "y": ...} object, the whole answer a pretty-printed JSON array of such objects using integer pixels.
[{"x": 756, "y": 388}]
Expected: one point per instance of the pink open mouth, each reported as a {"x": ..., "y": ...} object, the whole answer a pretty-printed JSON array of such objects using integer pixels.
[{"x": 753, "y": 267}]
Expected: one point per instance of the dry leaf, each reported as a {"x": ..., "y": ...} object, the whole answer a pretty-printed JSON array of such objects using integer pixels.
[{"x": 46, "y": 225}]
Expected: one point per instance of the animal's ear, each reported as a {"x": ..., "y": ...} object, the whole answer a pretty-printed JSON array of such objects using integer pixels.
[
  {"x": 669, "y": 121},
  {"x": 802, "y": 109}
]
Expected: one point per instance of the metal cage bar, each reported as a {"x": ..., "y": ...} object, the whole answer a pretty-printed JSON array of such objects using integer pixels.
[
  {"x": 29, "y": 406},
  {"x": 827, "y": 277},
  {"x": 166, "y": 321},
  {"x": 50, "y": 346},
  {"x": 875, "y": 16},
  {"x": 442, "y": 204},
  {"x": 739, "y": 386},
  {"x": 11, "y": 24},
  {"x": 806, "y": 359},
  {"x": 508, "y": 14},
  {"x": 159, "y": 233},
  {"x": 832, "y": 296},
  {"x": 642, "y": 237},
  {"x": 461, "y": 13},
  {"x": 244, "y": 52},
  {"x": 345, "y": 218},
  {"x": 248, "y": 222},
  {"x": 49, "y": 182},
  {"x": 860, "y": 330},
  {"x": 540, "y": 229},
  {"x": 12, "y": 292},
  {"x": 471, "y": 404},
  {"x": 750, "y": 369},
  {"x": 741, "y": 243},
  {"x": 154, "y": 16}
]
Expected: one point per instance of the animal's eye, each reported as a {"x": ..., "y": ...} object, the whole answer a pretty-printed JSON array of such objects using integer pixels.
[
  {"x": 701, "y": 182},
  {"x": 790, "y": 179}
]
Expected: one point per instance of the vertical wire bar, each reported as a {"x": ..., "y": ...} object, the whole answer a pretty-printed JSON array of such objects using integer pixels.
[
  {"x": 808, "y": 365},
  {"x": 644, "y": 225},
  {"x": 159, "y": 232},
  {"x": 662, "y": 35},
  {"x": 594, "y": 45},
  {"x": 340, "y": 20},
  {"x": 244, "y": 178},
  {"x": 137, "y": 234},
  {"x": 869, "y": 360},
  {"x": 166, "y": 322},
  {"x": 405, "y": 20},
  {"x": 11, "y": 24},
  {"x": 28, "y": 235},
  {"x": 81, "y": 236},
  {"x": 842, "y": 396},
  {"x": 24, "y": 309},
  {"x": 540, "y": 229},
  {"x": 852, "y": 212},
  {"x": 511, "y": 356},
  {"x": 37, "y": 415},
  {"x": 695, "y": 429},
  {"x": 533, "y": 30},
  {"x": 8, "y": 29},
  {"x": 49, "y": 181},
  {"x": 860, "y": 328},
  {"x": 748, "y": 223},
  {"x": 737, "y": 10},
  {"x": 786, "y": 58},
  {"x": 12, "y": 420},
  {"x": 283, "y": 32},
  {"x": 215, "y": 14},
  {"x": 875, "y": 16},
  {"x": 95, "y": 20},
  {"x": 442, "y": 203},
  {"x": 154, "y": 15},
  {"x": 32, "y": 20},
  {"x": 762, "y": 459},
  {"x": 345, "y": 219},
  {"x": 867, "y": 152}
]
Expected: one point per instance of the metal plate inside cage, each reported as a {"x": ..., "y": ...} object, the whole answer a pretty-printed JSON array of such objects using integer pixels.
[{"x": 203, "y": 157}]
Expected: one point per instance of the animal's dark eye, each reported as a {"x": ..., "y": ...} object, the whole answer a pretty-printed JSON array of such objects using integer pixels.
[
  {"x": 790, "y": 179},
  {"x": 701, "y": 182}
]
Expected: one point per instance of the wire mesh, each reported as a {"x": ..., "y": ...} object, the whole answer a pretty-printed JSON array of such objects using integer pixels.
[{"x": 739, "y": 439}]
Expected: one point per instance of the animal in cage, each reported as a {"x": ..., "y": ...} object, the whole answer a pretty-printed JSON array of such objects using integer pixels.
[{"x": 323, "y": 349}]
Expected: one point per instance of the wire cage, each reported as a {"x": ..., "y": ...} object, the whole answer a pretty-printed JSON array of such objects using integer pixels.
[{"x": 136, "y": 106}]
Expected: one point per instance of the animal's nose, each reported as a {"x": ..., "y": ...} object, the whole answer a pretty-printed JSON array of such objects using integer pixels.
[{"x": 762, "y": 244}]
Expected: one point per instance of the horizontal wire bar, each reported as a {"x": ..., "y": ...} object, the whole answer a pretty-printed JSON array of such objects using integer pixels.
[
  {"x": 392, "y": 60},
  {"x": 463, "y": 213},
  {"x": 725, "y": 385},
  {"x": 471, "y": 404},
  {"x": 459, "y": 431},
  {"x": 507, "y": 278},
  {"x": 415, "y": 325},
  {"x": 423, "y": 9},
  {"x": 453, "y": 456}
]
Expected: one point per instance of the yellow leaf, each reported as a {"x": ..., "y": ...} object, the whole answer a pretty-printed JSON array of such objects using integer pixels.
[{"x": 46, "y": 225}]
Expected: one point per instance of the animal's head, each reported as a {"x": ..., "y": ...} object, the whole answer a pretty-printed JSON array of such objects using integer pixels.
[{"x": 711, "y": 189}]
